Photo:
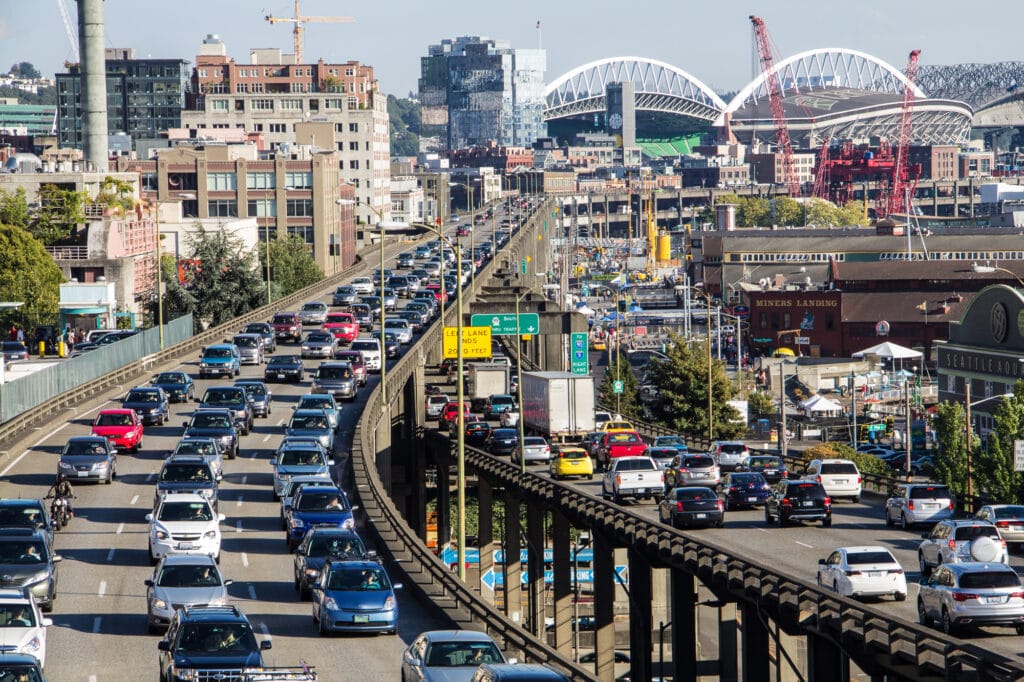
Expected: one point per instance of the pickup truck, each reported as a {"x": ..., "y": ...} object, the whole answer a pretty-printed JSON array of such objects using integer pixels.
[
  {"x": 619, "y": 444},
  {"x": 637, "y": 477}
]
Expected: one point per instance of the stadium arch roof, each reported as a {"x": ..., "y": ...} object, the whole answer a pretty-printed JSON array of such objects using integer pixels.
[{"x": 659, "y": 86}]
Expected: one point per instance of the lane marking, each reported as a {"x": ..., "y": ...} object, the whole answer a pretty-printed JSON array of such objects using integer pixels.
[
  {"x": 280, "y": 421},
  {"x": 238, "y": 503},
  {"x": 95, "y": 630},
  {"x": 134, "y": 500},
  {"x": 110, "y": 555},
  {"x": 264, "y": 630},
  {"x": 92, "y": 678},
  {"x": 151, "y": 477},
  {"x": 758, "y": 529},
  {"x": 267, "y": 437},
  {"x": 804, "y": 544},
  {"x": 245, "y": 559},
  {"x": 245, "y": 477},
  {"x": 238, "y": 527},
  {"x": 103, "y": 588},
  {"x": 120, "y": 528},
  {"x": 252, "y": 592}
]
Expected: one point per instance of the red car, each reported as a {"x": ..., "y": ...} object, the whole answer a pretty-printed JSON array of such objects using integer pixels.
[
  {"x": 121, "y": 427},
  {"x": 343, "y": 326}
]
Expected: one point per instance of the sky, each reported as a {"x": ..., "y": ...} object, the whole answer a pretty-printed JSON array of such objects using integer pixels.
[{"x": 709, "y": 40}]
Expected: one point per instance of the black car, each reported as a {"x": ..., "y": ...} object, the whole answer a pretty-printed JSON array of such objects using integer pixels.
[
  {"x": 151, "y": 404},
  {"x": 320, "y": 545},
  {"x": 477, "y": 432},
  {"x": 416, "y": 319},
  {"x": 284, "y": 368},
  {"x": 217, "y": 424},
  {"x": 744, "y": 489},
  {"x": 772, "y": 468},
  {"x": 178, "y": 386},
  {"x": 405, "y": 260},
  {"x": 208, "y": 638},
  {"x": 692, "y": 506},
  {"x": 266, "y": 333},
  {"x": 187, "y": 474},
  {"x": 798, "y": 500},
  {"x": 232, "y": 398},
  {"x": 502, "y": 441},
  {"x": 259, "y": 396}
]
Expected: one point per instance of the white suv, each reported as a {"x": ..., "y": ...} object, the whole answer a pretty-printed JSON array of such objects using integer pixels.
[
  {"x": 957, "y": 541},
  {"x": 184, "y": 523},
  {"x": 370, "y": 348},
  {"x": 729, "y": 454},
  {"x": 22, "y": 626},
  {"x": 839, "y": 477}
]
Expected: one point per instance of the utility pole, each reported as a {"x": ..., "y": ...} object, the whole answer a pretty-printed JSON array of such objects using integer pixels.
[
  {"x": 967, "y": 424},
  {"x": 782, "y": 408}
]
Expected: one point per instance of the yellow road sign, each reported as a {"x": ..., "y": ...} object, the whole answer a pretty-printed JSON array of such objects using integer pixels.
[{"x": 476, "y": 342}]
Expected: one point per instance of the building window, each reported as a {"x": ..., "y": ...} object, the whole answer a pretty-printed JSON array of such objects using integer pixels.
[
  {"x": 221, "y": 182},
  {"x": 291, "y": 105},
  {"x": 786, "y": 321},
  {"x": 241, "y": 87},
  {"x": 259, "y": 180},
  {"x": 353, "y": 164},
  {"x": 262, "y": 208},
  {"x": 349, "y": 71},
  {"x": 279, "y": 127},
  {"x": 219, "y": 104},
  {"x": 305, "y": 232},
  {"x": 334, "y": 103},
  {"x": 263, "y": 105},
  {"x": 299, "y": 179},
  {"x": 244, "y": 73},
  {"x": 300, "y": 208},
  {"x": 353, "y": 127},
  {"x": 762, "y": 320},
  {"x": 353, "y": 146},
  {"x": 223, "y": 208}
]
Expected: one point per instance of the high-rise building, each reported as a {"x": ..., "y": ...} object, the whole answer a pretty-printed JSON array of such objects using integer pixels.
[
  {"x": 144, "y": 97},
  {"x": 475, "y": 91}
]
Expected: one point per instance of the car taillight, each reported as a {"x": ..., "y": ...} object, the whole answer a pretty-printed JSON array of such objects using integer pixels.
[
  {"x": 1002, "y": 524},
  {"x": 860, "y": 480},
  {"x": 786, "y": 502},
  {"x": 683, "y": 470},
  {"x": 679, "y": 506},
  {"x": 765, "y": 486},
  {"x": 951, "y": 505},
  {"x": 897, "y": 571},
  {"x": 732, "y": 488},
  {"x": 1018, "y": 595},
  {"x": 963, "y": 596},
  {"x": 852, "y": 572},
  {"x": 910, "y": 505},
  {"x": 818, "y": 478},
  {"x": 952, "y": 544},
  {"x": 721, "y": 505},
  {"x": 785, "y": 474},
  {"x": 828, "y": 501}
]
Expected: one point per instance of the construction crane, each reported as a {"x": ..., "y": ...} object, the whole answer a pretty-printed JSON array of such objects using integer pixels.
[
  {"x": 822, "y": 178},
  {"x": 69, "y": 29},
  {"x": 902, "y": 182},
  {"x": 299, "y": 20},
  {"x": 774, "y": 88}
]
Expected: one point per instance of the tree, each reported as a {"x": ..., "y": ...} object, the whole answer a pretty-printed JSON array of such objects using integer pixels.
[
  {"x": 14, "y": 208},
  {"x": 995, "y": 475},
  {"x": 866, "y": 464},
  {"x": 60, "y": 212},
  {"x": 25, "y": 70},
  {"x": 28, "y": 274},
  {"x": 951, "y": 457},
  {"x": 627, "y": 402},
  {"x": 754, "y": 212},
  {"x": 788, "y": 211},
  {"x": 226, "y": 282},
  {"x": 292, "y": 265},
  {"x": 406, "y": 121},
  {"x": 761, "y": 404},
  {"x": 682, "y": 383}
]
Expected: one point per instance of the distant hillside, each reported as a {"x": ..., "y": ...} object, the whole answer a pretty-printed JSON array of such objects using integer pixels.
[{"x": 405, "y": 126}]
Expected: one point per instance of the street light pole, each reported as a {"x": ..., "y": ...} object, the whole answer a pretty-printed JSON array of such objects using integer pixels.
[
  {"x": 460, "y": 398},
  {"x": 266, "y": 236}
]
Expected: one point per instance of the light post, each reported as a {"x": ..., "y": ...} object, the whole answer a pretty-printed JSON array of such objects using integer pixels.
[
  {"x": 519, "y": 382},
  {"x": 159, "y": 283},
  {"x": 468, "y": 185},
  {"x": 698, "y": 288}
]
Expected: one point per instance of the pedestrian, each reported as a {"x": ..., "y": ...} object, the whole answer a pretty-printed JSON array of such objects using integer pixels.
[
  {"x": 14, "y": 333},
  {"x": 21, "y": 335}
]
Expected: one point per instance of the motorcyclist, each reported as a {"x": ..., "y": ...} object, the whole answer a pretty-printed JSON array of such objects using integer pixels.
[{"x": 62, "y": 490}]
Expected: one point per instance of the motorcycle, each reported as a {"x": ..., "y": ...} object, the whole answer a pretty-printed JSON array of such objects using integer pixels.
[{"x": 59, "y": 512}]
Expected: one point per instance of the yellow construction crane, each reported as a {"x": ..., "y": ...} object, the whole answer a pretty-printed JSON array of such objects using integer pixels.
[{"x": 299, "y": 20}]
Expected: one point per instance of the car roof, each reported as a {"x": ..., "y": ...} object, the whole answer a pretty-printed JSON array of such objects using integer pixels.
[
  {"x": 90, "y": 438},
  {"x": 455, "y": 635},
  {"x": 863, "y": 548},
  {"x": 117, "y": 410},
  {"x": 183, "y": 497},
  {"x": 323, "y": 489},
  {"x": 221, "y": 345},
  {"x": 309, "y": 412},
  {"x": 976, "y": 566},
  {"x": 21, "y": 502},
  {"x": 189, "y": 560},
  {"x": 249, "y": 382}
]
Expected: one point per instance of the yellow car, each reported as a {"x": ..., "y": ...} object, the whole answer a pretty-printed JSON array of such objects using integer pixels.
[
  {"x": 570, "y": 460},
  {"x": 615, "y": 427},
  {"x": 598, "y": 344}
]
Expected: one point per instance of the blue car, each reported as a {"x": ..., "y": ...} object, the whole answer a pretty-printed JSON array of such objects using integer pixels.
[
  {"x": 746, "y": 489},
  {"x": 320, "y": 505},
  {"x": 675, "y": 442},
  {"x": 220, "y": 359},
  {"x": 150, "y": 403},
  {"x": 177, "y": 385},
  {"x": 355, "y": 596}
]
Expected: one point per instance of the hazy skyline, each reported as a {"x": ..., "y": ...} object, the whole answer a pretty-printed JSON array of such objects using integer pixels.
[{"x": 708, "y": 40}]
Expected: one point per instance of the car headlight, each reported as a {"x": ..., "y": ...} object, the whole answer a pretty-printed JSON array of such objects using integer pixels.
[
  {"x": 284, "y": 478},
  {"x": 304, "y": 347},
  {"x": 330, "y": 604},
  {"x": 207, "y": 493},
  {"x": 41, "y": 576},
  {"x": 160, "y": 604},
  {"x": 296, "y": 524},
  {"x": 65, "y": 465},
  {"x": 100, "y": 466},
  {"x": 31, "y": 645},
  {"x": 389, "y": 604},
  {"x": 204, "y": 364},
  {"x": 349, "y": 523},
  {"x": 160, "y": 534},
  {"x": 311, "y": 573},
  {"x": 210, "y": 534}
]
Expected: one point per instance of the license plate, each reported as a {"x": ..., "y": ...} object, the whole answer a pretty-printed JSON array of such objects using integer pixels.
[
  {"x": 995, "y": 600},
  {"x": 1017, "y": 528},
  {"x": 82, "y": 474},
  {"x": 186, "y": 545},
  {"x": 930, "y": 506},
  {"x": 875, "y": 574},
  {"x": 840, "y": 481},
  {"x": 360, "y": 619},
  {"x": 702, "y": 516},
  {"x": 751, "y": 499},
  {"x": 807, "y": 504},
  {"x": 280, "y": 376}
]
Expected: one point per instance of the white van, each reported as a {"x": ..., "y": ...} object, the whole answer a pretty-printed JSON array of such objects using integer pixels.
[{"x": 839, "y": 477}]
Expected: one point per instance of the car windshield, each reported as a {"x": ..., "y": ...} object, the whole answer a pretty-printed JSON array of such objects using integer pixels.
[
  {"x": 670, "y": 440},
  {"x": 318, "y": 337},
  {"x": 256, "y": 329},
  {"x": 972, "y": 532},
  {"x": 1010, "y": 511},
  {"x": 22, "y": 552},
  {"x": 504, "y": 433},
  {"x": 17, "y": 616},
  {"x": 284, "y": 319},
  {"x": 301, "y": 457},
  {"x": 188, "y": 575},
  {"x": 85, "y": 447},
  {"x": 19, "y": 672},
  {"x": 334, "y": 373},
  {"x": 170, "y": 378},
  {"x": 189, "y": 447},
  {"x": 365, "y": 345},
  {"x": 635, "y": 465},
  {"x": 732, "y": 448},
  {"x": 930, "y": 492},
  {"x": 695, "y": 494},
  {"x": 534, "y": 440},
  {"x": 332, "y": 545},
  {"x": 255, "y": 390},
  {"x": 185, "y": 472},
  {"x": 217, "y": 353},
  {"x": 223, "y": 397},
  {"x": 246, "y": 342},
  {"x": 313, "y": 307},
  {"x": 838, "y": 468},
  {"x": 806, "y": 491},
  {"x": 459, "y": 654},
  {"x": 869, "y": 558},
  {"x": 227, "y": 639},
  {"x": 325, "y": 502},
  {"x": 765, "y": 463},
  {"x": 316, "y": 403},
  {"x": 286, "y": 360},
  {"x": 988, "y": 580},
  {"x": 185, "y": 511},
  {"x": 211, "y": 421},
  {"x": 114, "y": 420},
  {"x": 308, "y": 421},
  {"x": 744, "y": 479},
  {"x": 21, "y": 517},
  {"x": 362, "y": 580},
  {"x": 142, "y": 397}
]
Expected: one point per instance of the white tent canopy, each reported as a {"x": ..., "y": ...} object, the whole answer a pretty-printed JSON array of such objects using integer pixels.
[
  {"x": 819, "y": 403},
  {"x": 890, "y": 350}
]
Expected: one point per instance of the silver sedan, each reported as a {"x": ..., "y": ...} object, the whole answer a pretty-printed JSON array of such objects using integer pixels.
[
  {"x": 1007, "y": 518},
  {"x": 319, "y": 344}
]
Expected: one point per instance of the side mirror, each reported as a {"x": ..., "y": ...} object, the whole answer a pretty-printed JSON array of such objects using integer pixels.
[
  {"x": 513, "y": 661},
  {"x": 149, "y": 583},
  {"x": 185, "y": 424},
  {"x": 330, "y": 462},
  {"x": 355, "y": 507},
  {"x": 221, "y": 517},
  {"x": 149, "y": 518},
  {"x": 821, "y": 562},
  {"x": 228, "y": 582},
  {"x": 288, "y": 507},
  {"x": 47, "y": 622},
  {"x": 396, "y": 586},
  {"x": 58, "y": 558},
  {"x": 265, "y": 644},
  {"x": 163, "y": 645}
]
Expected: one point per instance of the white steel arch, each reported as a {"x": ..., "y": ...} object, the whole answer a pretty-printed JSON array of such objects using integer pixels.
[
  {"x": 659, "y": 87},
  {"x": 836, "y": 67}
]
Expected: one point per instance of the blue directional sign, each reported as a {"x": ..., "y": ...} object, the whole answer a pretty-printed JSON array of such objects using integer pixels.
[
  {"x": 495, "y": 578},
  {"x": 579, "y": 362}
]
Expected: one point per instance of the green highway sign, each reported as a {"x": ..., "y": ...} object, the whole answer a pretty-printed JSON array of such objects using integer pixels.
[
  {"x": 578, "y": 359},
  {"x": 504, "y": 324},
  {"x": 617, "y": 387}
]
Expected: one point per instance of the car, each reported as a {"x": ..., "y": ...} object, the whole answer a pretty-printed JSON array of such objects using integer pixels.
[
  {"x": 971, "y": 594},
  {"x": 591, "y": 442},
  {"x": 662, "y": 455},
  {"x": 266, "y": 333},
  {"x": 400, "y": 328},
  {"x": 22, "y": 626},
  {"x": 320, "y": 546},
  {"x": 839, "y": 477},
  {"x": 391, "y": 344},
  {"x": 26, "y": 512},
  {"x": 220, "y": 359},
  {"x": 772, "y": 468},
  {"x": 216, "y": 424},
  {"x": 336, "y": 378},
  {"x": 535, "y": 449},
  {"x": 13, "y": 351},
  {"x": 363, "y": 285},
  {"x": 319, "y": 344},
  {"x": 405, "y": 260},
  {"x": 878, "y": 451},
  {"x": 569, "y": 460},
  {"x": 178, "y": 386},
  {"x": 121, "y": 427},
  {"x": 314, "y": 424},
  {"x": 363, "y": 315},
  {"x": 21, "y": 667},
  {"x": 676, "y": 442},
  {"x": 187, "y": 474},
  {"x": 342, "y": 326},
  {"x": 910, "y": 504},
  {"x": 957, "y": 540},
  {"x": 798, "y": 500},
  {"x": 184, "y": 523},
  {"x": 87, "y": 458},
  {"x": 448, "y": 655},
  {"x": 150, "y": 403},
  {"x": 346, "y": 294},
  {"x": 28, "y": 561},
  {"x": 390, "y": 299},
  {"x": 523, "y": 672},
  {"x": 435, "y": 404},
  {"x": 729, "y": 453},
  {"x": 373, "y": 303},
  {"x": 863, "y": 572},
  {"x": 616, "y": 426},
  {"x": 259, "y": 396},
  {"x": 744, "y": 489},
  {"x": 503, "y": 441},
  {"x": 216, "y": 638},
  {"x": 1008, "y": 518},
  {"x": 692, "y": 470},
  {"x": 207, "y": 448},
  {"x": 321, "y": 401},
  {"x": 287, "y": 326},
  {"x": 616, "y": 444},
  {"x": 477, "y": 432},
  {"x": 250, "y": 348},
  {"x": 235, "y": 400},
  {"x": 687, "y": 506},
  {"x": 399, "y": 284},
  {"x": 498, "y": 403},
  {"x": 316, "y": 505},
  {"x": 417, "y": 319},
  {"x": 284, "y": 368},
  {"x": 298, "y": 460},
  {"x": 355, "y": 360},
  {"x": 296, "y": 483},
  {"x": 179, "y": 580},
  {"x": 313, "y": 312},
  {"x": 450, "y": 414},
  {"x": 354, "y": 596},
  {"x": 424, "y": 309}
]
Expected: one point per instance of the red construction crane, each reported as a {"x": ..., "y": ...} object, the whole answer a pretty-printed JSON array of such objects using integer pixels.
[
  {"x": 822, "y": 177},
  {"x": 903, "y": 183},
  {"x": 774, "y": 88}
]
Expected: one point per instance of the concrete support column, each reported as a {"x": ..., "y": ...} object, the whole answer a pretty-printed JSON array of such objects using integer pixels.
[
  {"x": 683, "y": 600},
  {"x": 485, "y": 533},
  {"x": 640, "y": 596},
  {"x": 382, "y": 438},
  {"x": 728, "y": 660},
  {"x": 826, "y": 660},
  {"x": 444, "y": 503},
  {"x": 535, "y": 568},
  {"x": 94, "y": 84},
  {"x": 756, "y": 666},
  {"x": 563, "y": 582},
  {"x": 604, "y": 607},
  {"x": 787, "y": 657},
  {"x": 511, "y": 565}
]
